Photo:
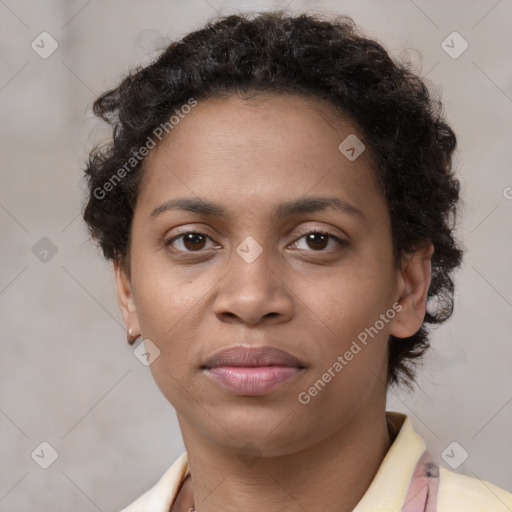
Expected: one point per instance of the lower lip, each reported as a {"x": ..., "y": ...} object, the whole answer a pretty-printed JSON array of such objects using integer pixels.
[{"x": 252, "y": 380}]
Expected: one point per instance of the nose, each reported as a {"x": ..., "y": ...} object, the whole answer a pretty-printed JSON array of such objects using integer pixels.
[{"x": 254, "y": 291}]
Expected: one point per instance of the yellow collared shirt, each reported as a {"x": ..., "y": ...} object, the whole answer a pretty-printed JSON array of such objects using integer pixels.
[{"x": 388, "y": 490}]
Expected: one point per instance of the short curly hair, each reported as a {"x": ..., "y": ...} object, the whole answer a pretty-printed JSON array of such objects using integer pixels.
[{"x": 401, "y": 122}]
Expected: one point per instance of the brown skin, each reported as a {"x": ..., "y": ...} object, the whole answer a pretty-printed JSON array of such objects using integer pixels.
[{"x": 310, "y": 300}]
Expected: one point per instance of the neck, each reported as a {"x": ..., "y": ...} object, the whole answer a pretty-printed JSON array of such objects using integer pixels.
[{"x": 331, "y": 476}]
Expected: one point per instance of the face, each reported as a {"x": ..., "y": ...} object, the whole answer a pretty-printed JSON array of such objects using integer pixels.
[{"x": 284, "y": 243}]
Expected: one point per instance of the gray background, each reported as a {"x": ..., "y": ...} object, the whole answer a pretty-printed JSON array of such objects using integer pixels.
[{"x": 68, "y": 376}]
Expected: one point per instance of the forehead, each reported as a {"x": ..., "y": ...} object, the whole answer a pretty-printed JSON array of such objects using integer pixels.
[{"x": 269, "y": 146}]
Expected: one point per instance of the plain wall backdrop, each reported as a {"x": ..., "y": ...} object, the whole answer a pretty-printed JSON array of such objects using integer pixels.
[{"x": 68, "y": 377}]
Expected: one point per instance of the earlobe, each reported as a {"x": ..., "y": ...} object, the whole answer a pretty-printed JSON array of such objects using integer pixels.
[
  {"x": 415, "y": 281},
  {"x": 126, "y": 303}
]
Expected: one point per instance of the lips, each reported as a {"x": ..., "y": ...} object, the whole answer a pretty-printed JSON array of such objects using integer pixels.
[
  {"x": 250, "y": 370},
  {"x": 247, "y": 356}
]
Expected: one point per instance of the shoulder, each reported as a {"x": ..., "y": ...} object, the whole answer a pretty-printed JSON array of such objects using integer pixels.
[
  {"x": 465, "y": 493},
  {"x": 161, "y": 496}
]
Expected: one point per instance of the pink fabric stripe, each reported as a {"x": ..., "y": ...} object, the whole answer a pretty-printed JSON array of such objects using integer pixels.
[{"x": 424, "y": 486}]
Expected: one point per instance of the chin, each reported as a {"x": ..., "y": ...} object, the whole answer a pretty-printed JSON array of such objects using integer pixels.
[{"x": 274, "y": 433}]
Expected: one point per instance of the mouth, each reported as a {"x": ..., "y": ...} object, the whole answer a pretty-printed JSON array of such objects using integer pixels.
[{"x": 249, "y": 370}]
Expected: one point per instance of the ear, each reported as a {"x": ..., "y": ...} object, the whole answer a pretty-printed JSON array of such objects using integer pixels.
[
  {"x": 415, "y": 276},
  {"x": 126, "y": 303}
]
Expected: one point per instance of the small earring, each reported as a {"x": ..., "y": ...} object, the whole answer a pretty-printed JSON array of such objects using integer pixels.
[{"x": 130, "y": 337}]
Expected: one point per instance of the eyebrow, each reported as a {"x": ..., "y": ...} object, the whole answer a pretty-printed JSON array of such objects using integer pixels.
[{"x": 296, "y": 206}]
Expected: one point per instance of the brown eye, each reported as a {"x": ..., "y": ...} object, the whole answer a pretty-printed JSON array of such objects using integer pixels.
[
  {"x": 319, "y": 241},
  {"x": 191, "y": 241}
]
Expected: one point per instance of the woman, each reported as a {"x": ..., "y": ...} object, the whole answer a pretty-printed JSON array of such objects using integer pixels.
[{"x": 277, "y": 201}]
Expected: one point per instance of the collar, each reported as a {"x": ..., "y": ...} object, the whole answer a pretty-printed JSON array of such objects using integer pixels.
[
  {"x": 389, "y": 487},
  {"x": 386, "y": 493}
]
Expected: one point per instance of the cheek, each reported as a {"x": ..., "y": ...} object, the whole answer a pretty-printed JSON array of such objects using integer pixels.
[
  {"x": 162, "y": 294},
  {"x": 345, "y": 308},
  {"x": 351, "y": 296},
  {"x": 349, "y": 341},
  {"x": 163, "y": 306},
  {"x": 171, "y": 307}
]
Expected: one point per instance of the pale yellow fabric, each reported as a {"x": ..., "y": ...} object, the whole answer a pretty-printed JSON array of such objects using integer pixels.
[
  {"x": 468, "y": 494},
  {"x": 389, "y": 486},
  {"x": 457, "y": 493}
]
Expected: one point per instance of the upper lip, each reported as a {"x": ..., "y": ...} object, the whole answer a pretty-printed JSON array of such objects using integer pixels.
[{"x": 245, "y": 355}]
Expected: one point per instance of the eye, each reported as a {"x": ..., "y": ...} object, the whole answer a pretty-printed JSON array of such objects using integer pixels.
[
  {"x": 195, "y": 241},
  {"x": 189, "y": 241},
  {"x": 319, "y": 241}
]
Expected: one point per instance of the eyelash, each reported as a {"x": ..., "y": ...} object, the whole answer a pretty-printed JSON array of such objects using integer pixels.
[{"x": 340, "y": 241}]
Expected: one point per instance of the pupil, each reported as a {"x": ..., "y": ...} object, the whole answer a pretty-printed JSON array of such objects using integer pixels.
[
  {"x": 313, "y": 238},
  {"x": 193, "y": 239}
]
